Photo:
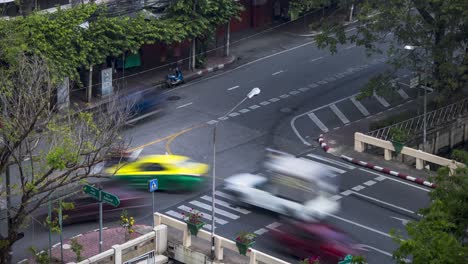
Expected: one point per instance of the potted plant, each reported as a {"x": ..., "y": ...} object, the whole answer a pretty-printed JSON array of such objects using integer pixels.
[
  {"x": 244, "y": 240},
  {"x": 127, "y": 222},
  {"x": 399, "y": 137},
  {"x": 193, "y": 220}
]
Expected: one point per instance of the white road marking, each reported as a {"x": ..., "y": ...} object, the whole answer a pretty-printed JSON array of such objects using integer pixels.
[
  {"x": 405, "y": 84},
  {"x": 383, "y": 202},
  {"x": 225, "y": 195},
  {"x": 381, "y": 100},
  {"x": 273, "y": 225},
  {"x": 234, "y": 114},
  {"x": 316, "y": 59},
  {"x": 245, "y": 110},
  {"x": 403, "y": 94},
  {"x": 265, "y": 103},
  {"x": 261, "y": 231},
  {"x": 185, "y": 105},
  {"x": 175, "y": 214},
  {"x": 393, "y": 179},
  {"x": 359, "y": 106},
  {"x": 223, "y": 203},
  {"x": 312, "y": 85},
  {"x": 330, "y": 79},
  {"x": 359, "y": 225},
  {"x": 336, "y": 197},
  {"x": 232, "y": 88},
  {"x": 223, "y": 118},
  {"x": 358, "y": 188},
  {"x": 274, "y": 100},
  {"x": 350, "y": 47},
  {"x": 304, "y": 89},
  {"x": 370, "y": 183},
  {"x": 212, "y": 122},
  {"x": 339, "y": 163},
  {"x": 254, "y": 107},
  {"x": 380, "y": 178},
  {"x": 340, "y": 171},
  {"x": 294, "y": 92},
  {"x": 403, "y": 220},
  {"x": 317, "y": 121},
  {"x": 278, "y": 72},
  {"x": 322, "y": 82},
  {"x": 339, "y": 114},
  {"x": 347, "y": 192},
  {"x": 217, "y": 211},
  {"x": 206, "y": 216},
  {"x": 284, "y": 96}
]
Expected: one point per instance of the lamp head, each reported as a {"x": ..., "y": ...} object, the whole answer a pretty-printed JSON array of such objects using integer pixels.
[{"x": 254, "y": 92}]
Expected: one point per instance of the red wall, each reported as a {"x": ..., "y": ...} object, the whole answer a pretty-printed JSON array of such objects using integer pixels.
[
  {"x": 245, "y": 17},
  {"x": 262, "y": 13}
]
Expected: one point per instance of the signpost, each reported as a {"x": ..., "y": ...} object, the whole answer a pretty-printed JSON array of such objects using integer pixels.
[
  {"x": 152, "y": 187},
  {"x": 101, "y": 196}
]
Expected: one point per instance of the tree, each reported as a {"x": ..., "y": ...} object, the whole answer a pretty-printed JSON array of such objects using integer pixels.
[
  {"x": 438, "y": 28},
  {"x": 51, "y": 151},
  {"x": 438, "y": 236}
]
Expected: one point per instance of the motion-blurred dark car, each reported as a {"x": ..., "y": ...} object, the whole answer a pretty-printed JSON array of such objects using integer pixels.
[
  {"x": 145, "y": 103},
  {"x": 305, "y": 240},
  {"x": 87, "y": 208}
]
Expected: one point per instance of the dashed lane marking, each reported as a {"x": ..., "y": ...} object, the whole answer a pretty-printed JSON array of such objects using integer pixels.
[
  {"x": 339, "y": 163},
  {"x": 245, "y": 110},
  {"x": 265, "y": 103},
  {"x": 185, "y": 105},
  {"x": 232, "y": 88},
  {"x": 370, "y": 183},
  {"x": 276, "y": 73},
  {"x": 261, "y": 231},
  {"x": 383, "y": 202},
  {"x": 253, "y": 107},
  {"x": 393, "y": 179}
]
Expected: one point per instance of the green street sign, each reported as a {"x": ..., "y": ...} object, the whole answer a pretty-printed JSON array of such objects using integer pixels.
[
  {"x": 110, "y": 198},
  {"x": 92, "y": 191}
]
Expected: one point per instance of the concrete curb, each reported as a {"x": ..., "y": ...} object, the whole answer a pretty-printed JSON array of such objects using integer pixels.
[
  {"x": 323, "y": 144},
  {"x": 390, "y": 172}
]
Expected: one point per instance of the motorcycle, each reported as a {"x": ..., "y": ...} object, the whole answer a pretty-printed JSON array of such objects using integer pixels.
[{"x": 175, "y": 79}]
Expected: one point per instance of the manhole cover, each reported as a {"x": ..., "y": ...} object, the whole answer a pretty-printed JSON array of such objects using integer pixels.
[
  {"x": 173, "y": 98},
  {"x": 286, "y": 110}
]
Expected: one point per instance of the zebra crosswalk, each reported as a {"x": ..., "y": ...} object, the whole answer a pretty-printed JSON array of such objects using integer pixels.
[{"x": 226, "y": 208}]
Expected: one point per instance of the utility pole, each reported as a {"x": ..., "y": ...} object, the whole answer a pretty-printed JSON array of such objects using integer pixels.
[{"x": 228, "y": 39}]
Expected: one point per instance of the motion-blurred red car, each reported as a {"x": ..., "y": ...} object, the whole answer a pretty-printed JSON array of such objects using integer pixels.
[{"x": 305, "y": 240}]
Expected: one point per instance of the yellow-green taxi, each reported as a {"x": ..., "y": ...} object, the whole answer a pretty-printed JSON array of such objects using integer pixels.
[{"x": 173, "y": 172}]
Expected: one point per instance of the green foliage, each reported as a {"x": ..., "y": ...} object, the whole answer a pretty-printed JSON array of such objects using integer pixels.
[
  {"x": 67, "y": 47},
  {"x": 438, "y": 28},
  {"x": 438, "y": 236},
  {"x": 76, "y": 247},
  {"x": 41, "y": 257},
  {"x": 460, "y": 155},
  {"x": 399, "y": 135}
]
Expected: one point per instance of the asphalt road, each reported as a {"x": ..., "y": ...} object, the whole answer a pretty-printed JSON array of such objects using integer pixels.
[{"x": 300, "y": 85}]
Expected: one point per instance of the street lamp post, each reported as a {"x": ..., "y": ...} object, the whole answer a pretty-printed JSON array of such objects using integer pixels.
[
  {"x": 412, "y": 48},
  {"x": 251, "y": 94}
]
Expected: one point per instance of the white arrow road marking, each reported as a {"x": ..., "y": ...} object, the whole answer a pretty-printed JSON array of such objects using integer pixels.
[{"x": 403, "y": 221}]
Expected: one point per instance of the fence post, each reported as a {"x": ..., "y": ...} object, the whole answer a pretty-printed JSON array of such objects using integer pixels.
[
  {"x": 187, "y": 239},
  {"x": 157, "y": 219},
  {"x": 117, "y": 253},
  {"x": 218, "y": 248},
  {"x": 160, "y": 239},
  {"x": 387, "y": 154},
  {"x": 419, "y": 164},
  {"x": 358, "y": 145},
  {"x": 253, "y": 257}
]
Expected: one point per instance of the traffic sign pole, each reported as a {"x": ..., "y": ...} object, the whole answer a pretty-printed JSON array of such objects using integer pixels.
[
  {"x": 100, "y": 221},
  {"x": 152, "y": 187},
  {"x": 153, "y": 208}
]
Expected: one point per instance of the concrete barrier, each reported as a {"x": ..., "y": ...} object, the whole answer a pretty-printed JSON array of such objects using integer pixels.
[{"x": 360, "y": 141}]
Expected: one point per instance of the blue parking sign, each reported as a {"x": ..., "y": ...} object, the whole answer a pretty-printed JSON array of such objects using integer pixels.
[{"x": 153, "y": 185}]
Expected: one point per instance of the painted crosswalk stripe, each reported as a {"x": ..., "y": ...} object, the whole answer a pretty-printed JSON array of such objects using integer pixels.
[
  {"x": 261, "y": 231},
  {"x": 274, "y": 100},
  {"x": 340, "y": 171},
  {"x": 175, "y": 214},
  {"x": 403, "y": 94},
  {"x": 370, "y": 183},
  {"x": 254, "y": 107},
  {"x": 381, "y": 100},
  {"x": 358, "y": 188},
  {"x": 294, "y": 92},
  {"x": 273, "y": 225},
  {"x": 228, "y": 205},
  {"x": 317, "y": 121},
  {"x": 218, "y": 211},
  {"x": 265, "y": 103},
  {"x": 212, "y": 122},
  {"x": 304, "y": 89},
  {"x": 339, "y": 163},
  {"x": 234, "y": 114},
  {"x": 313, "y": 85},
  {"x": 336, "y": 197},
  {"x": 206, "y": 216},
  {"x": 225, "y": 195},
  {"x": 284, "y": 96},
  {"x": 359, "y": 106},
  {"x": 245, "y": 110},
  {"x": 339, "y": 114},
  {"x": 347, "y": 192}
]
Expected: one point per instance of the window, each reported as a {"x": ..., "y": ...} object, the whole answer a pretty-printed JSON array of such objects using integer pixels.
[{"x": 151, "y": 167}]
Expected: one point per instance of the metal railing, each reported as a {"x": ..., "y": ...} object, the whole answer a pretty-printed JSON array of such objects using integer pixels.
[{"x": 434, "y": 118}]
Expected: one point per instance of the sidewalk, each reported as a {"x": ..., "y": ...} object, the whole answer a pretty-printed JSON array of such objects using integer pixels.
[{"x": 90, "y": 243}]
